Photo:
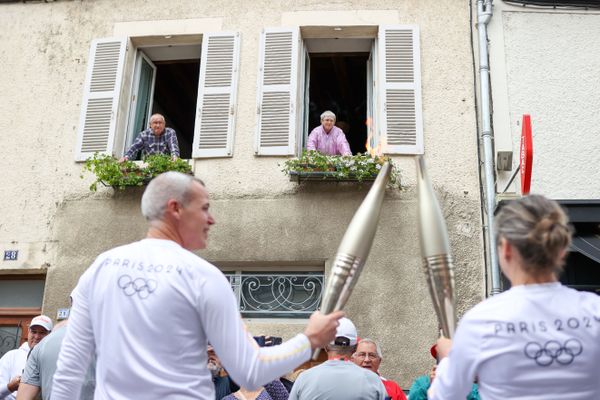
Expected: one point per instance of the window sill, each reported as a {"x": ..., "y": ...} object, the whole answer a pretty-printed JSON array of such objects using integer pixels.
[{"x": 297, "y": 176}]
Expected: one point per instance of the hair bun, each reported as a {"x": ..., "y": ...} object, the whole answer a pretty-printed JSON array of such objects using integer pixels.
[{"x": 551, "y": 233}]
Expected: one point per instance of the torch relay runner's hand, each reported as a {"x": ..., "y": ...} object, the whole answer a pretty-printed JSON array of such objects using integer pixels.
[
  {"x": 13, "y": 385},
  {"x": 321, "y": 328},
  {"x": 443, "y": 346}
]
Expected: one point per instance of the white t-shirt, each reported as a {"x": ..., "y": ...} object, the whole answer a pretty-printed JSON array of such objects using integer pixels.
[
  {"x": 148, "y": 310},
  {"x": 530, "y": 342},
  {"x": 11, "y": 365}
]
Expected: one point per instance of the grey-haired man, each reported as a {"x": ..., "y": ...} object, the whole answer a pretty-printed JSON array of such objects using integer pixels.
[{"x": 339, "y": 378}]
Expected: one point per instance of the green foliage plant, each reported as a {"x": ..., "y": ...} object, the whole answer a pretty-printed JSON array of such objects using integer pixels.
[
  {"x": 110, "y": 172},
  {"x": 360, "y": 166},
  {"x": 156, "y": 164}
]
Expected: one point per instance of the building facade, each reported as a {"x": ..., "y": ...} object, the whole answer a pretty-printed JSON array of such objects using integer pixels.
[{"x": 243, "y": 83}]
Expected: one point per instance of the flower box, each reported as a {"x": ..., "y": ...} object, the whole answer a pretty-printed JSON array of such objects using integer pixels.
[
  {"x": 112, "y": 173},
  {"x": 315, "y": 166},
  {"x": 297, "y": 176}
]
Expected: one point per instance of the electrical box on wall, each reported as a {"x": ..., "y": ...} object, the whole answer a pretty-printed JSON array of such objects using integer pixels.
[{"x": 504, "y": 160}]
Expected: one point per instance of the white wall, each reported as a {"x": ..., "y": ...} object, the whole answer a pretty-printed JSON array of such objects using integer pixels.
[{"x": 546, "y": 63}]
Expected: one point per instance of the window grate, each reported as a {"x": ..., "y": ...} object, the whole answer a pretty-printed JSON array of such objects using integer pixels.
[{"x": 268, "y": 295}]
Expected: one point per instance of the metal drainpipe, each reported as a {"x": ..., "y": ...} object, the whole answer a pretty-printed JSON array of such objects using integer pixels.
[{"x": 484, "y": 14}]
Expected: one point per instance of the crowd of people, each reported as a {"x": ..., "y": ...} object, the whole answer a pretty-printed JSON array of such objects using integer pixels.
[
  {"x": 351, "y": 370},
  {"x": 538, "y": 340}
]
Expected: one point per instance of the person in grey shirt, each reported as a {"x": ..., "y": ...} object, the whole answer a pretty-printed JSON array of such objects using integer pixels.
[
  {"x": 41, "y": 365},
  {"x": 339, "y": 378}
]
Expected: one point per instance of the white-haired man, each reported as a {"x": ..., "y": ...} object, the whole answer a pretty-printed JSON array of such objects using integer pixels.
[
  {"x": 13, "y": 362},
  {"x": 339, "y": 378},
  {"x": 157, "y": 139},
  {"x": 149, "y": 308},
  {"x": 368, "y": 355},
  {"x": 328, "y": 138}
]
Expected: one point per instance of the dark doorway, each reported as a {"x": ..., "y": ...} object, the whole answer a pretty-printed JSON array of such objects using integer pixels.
[
  {"x": 338, "y": 82},
  {"x": 582, "y": 267},
  {"x": 175, "y": 96}
]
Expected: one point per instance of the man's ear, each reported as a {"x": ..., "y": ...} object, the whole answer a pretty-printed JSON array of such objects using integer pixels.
[{"x": 173, "y": 207}]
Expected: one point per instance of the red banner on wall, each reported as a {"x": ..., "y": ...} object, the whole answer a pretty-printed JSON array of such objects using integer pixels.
[{"x": 526, "y": 160}]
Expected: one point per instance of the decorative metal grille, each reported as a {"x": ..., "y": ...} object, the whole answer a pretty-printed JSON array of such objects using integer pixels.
[
  {"x": 267, "y": 295},
  {"x": 9, "y": 339}
]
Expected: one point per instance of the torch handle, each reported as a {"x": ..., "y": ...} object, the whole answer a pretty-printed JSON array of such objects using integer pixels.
[
  {"x": 335, "y": 295},
  {"x": 440, "y": 279}
]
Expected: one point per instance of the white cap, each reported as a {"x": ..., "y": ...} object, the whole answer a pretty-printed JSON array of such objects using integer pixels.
[
  {"x": 346, "y": 329},
  {"x": 43, "y": 321}
]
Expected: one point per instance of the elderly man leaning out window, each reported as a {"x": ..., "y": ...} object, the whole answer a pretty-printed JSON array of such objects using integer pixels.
[{"x": 157, "y": 139}]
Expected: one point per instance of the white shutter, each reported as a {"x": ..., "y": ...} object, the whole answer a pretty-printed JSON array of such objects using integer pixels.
[
  {"x": 217, "y": 87},
  {"x": 400, "y": 122},
  {"x": 101, "y": 91},
  {"x": 277, "y": 91}
]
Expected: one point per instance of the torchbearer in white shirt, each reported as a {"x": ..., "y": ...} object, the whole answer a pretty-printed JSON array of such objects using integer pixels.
[
  {"x": 149, "y": 308},
  {"x": 538, "y": 340}
]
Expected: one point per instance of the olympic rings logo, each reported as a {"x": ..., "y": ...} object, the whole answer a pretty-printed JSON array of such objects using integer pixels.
[
  {"x": 143, "y": 287},
  {"x": 552, "y": 350}
]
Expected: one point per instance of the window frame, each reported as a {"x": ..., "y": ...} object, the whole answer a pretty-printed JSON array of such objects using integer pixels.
[{"x": 131, "y": 131}]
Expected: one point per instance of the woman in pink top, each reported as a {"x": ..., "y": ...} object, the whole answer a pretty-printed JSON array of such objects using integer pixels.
[{"x": 328, "y": 138}]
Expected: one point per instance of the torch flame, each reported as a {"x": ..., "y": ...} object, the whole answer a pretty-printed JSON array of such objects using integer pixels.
[{"x": 374, "y": 149}]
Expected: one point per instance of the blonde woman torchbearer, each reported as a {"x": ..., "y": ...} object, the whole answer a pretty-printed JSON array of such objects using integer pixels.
[{"x": 537, "y": 340}]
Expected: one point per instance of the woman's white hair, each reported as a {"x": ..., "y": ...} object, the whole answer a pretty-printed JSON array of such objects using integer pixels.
[
  {"x": 328, "y": 114},
  {"x": 170, "y": 185}
]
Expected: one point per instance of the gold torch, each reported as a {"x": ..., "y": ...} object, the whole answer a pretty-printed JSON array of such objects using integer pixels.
[
  {"x": 354, "y": 247},
  {"x": 435, "y": 251}
]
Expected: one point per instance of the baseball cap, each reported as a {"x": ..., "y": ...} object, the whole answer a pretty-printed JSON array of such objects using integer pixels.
[
  {"x": 345, "y": 334},
  {"x": 43, "y": 321}
]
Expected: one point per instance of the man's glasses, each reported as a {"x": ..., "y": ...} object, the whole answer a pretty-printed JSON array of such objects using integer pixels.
[{"x": 362, "y": 356}]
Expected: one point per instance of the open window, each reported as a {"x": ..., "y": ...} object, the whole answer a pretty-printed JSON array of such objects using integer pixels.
[
  {"x": 368, "y": 76},
  {"x": 192, "y": 84},
  {"x": 165, "y": 81},
  {"x": 337, "y": 80}
]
